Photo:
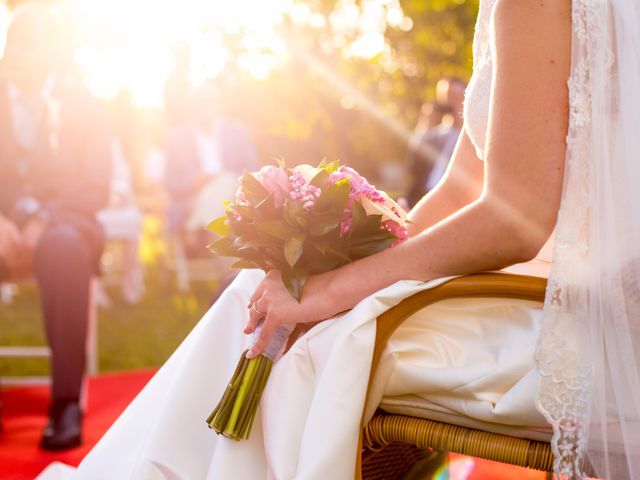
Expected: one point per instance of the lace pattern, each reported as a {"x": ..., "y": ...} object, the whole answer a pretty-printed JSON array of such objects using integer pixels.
[
  {"x": 564, "y": 394},
  {"x": 477, "y": 98}
]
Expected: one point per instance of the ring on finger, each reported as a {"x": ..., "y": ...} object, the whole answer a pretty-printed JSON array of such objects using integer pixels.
[{"x": 255, "y": 309}]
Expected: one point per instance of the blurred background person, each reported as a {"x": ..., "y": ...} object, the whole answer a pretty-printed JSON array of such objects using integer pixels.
[
  {"x": 205, "y": 155},
  {"x": 54, "y": 173},
  {"x": 122, "y": 219},
  {"x": 178, "y": 88},
  {"x": 431, "y": 115},
  {"x": 435, "y": 137}
]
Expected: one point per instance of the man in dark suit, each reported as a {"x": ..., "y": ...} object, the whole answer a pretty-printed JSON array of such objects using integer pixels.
[{"x": 54, "y": 174}]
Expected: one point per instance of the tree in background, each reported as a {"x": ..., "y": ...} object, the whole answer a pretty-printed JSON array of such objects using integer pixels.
[
  {"x": 347, "y": 81},
  {"x": 327, "y": 101}
]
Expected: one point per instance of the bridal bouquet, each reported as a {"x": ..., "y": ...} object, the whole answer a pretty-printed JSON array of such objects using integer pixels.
[{"x": 302, "y": 221}]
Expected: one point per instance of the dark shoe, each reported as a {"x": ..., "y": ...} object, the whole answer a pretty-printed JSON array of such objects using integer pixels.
[{"x": 64, "y": 429}]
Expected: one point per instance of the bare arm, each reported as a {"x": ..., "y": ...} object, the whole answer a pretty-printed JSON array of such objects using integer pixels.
[
  {"x": 461, "y": 185},
  {"x": 524, "y": 168}
]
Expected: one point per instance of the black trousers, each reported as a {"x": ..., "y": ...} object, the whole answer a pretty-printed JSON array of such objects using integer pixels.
[{"x": 64, "y": 265}]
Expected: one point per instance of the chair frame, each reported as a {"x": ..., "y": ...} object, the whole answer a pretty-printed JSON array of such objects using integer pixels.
[{"x": 385, "y": 429}]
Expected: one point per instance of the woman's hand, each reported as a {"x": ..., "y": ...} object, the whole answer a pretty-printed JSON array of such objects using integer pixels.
[{"x": 272, "y": 302}]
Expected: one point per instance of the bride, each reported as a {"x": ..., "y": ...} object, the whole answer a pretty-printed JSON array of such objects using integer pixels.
[{"x": 534, "y": 156}]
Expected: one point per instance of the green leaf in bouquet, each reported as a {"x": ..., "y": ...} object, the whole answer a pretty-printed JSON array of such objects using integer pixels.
[
  {"x": 294, "y": 281},
  {"x": 372, "y": 236},
  {"x": 224, "y": 247},
  {"x": 253, "y": 190},
  {"x": 220, "y": 226},
  {"x": 327, "y": 248},
  {"x": 241, "y": 243},
  {"x": 275, "y": 228},
  {"x": 275, "y": 257},
  {"x": 243, "y": 263},
  {"x": 293, "y": 247},
  {"x": 244, "y": 243},
  {"x": 242, "y": 228},
  {"x": 329, "y": 167},
  {"x": 244, "y": 211},
  {"x": 316, "y": 261},
  {"x": 326, "y": 169},
  {"x": 361, "y": 222},
  {"x": 333, "y": 198},
  {"x": 320, "y": 180},
  {"x": 367, "y": 230},
  {"x": 294, "y": 213},
  {"x": 365, "y": 227},
  {"x": 267, "y": 208},
  {"x": 365, "y": 249},
  {"x": 322, "y": 224}
]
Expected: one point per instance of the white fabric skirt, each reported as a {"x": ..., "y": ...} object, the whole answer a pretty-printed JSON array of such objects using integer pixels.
[{"x": 473, "y": 358}]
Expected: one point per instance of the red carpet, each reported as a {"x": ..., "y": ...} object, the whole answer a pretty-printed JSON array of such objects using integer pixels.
[{"x": 25, "y": 415}]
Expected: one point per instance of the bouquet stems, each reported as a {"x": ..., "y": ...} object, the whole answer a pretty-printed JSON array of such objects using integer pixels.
[
  {"x": 234, "y": 415},
  {"x": 236, "y": 411}
]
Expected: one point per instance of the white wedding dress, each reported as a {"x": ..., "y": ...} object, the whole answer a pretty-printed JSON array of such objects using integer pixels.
[{"x": 471, "y": 359}]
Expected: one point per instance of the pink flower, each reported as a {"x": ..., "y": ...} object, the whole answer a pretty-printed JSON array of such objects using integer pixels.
[
  {"x": 399, "y": 231},
  {"x": 359, "y": 187},
  {"x": 346, "y": 222},
  {"x": 240, "y": 197},
  {"x": 302, "y": 191},
  {"x": 275, "y": 181}
]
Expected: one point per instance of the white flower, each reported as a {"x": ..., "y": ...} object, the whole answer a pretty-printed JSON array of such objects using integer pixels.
[{"x": 307, "y": 171}]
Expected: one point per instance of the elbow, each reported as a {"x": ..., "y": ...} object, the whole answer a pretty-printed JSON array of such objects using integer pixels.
[
  {"x": 535, "y": 234},
  {"x": 523, "y": 244},
  {"x": 522, "y": 231},
  {"x": 526, "y": 251}
]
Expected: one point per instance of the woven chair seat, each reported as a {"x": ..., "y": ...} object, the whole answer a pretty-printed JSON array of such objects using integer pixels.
[
  {"x": 387, "y": 434},
  {"x": 415, "y": 406},
  {"x": 385, "y": 429}
]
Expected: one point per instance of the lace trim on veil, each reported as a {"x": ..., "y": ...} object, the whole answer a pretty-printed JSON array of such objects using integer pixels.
[{"x": 564, "y": 395}]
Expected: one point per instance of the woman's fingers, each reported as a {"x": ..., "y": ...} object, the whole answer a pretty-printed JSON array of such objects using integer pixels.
[
  {"x": 256, "y": 314},
  {"x": 268, "y": 327},
  {"x": 259, "y": 291}
]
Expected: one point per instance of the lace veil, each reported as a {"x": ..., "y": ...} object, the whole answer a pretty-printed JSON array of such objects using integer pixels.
[{"x": 589, "y": 351}]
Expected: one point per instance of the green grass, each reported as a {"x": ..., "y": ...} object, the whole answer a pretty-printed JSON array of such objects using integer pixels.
[{"x": 130, "y": 336}]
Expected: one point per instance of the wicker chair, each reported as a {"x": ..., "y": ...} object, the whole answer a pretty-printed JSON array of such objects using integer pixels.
[{"x": 391, "y": 444}]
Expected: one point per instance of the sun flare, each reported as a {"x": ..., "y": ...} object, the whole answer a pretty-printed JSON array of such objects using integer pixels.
[{"x": 128, "y": 43}]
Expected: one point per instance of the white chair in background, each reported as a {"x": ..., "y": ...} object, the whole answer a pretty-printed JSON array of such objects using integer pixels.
[
  {"x": 122, "y": 223},
  {"x": 208, "y": 205}
]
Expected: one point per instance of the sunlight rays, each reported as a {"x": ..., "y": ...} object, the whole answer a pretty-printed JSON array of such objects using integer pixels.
[{"x": 127, "y": 43}]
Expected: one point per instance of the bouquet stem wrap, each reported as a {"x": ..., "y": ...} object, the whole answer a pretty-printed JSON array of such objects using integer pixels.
[{"x": 236, "y": 411}]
